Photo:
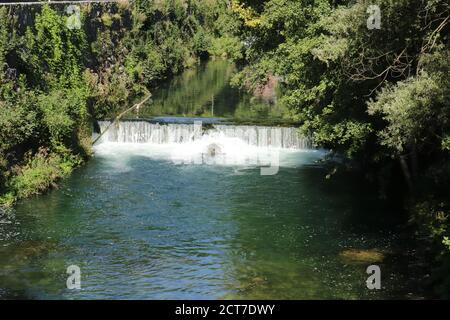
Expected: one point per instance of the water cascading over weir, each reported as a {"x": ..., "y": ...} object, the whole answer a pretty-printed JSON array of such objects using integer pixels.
[{"x": 178, "y": 133}]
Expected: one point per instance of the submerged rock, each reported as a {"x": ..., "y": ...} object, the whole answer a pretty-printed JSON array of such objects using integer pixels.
[
  {"x": 361, "y": 256},
  {"x": 26, "y": 250},
  {"x": 214, "y": 149}
]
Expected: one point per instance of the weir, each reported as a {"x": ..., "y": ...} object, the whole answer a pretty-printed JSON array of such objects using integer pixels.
[{"x": 176, "y": 133}]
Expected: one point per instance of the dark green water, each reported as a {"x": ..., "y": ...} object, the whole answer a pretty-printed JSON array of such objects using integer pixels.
[{"x": 140, "y": 226}]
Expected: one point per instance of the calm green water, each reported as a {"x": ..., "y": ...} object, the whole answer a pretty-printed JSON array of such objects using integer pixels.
[
  {"x": 140, "y": 226},
  {"x": 204, "y": 91}
]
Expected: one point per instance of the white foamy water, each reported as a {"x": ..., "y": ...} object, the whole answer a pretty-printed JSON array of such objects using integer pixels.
[
  {"x": 146, "y": 132},
  {"x": 225, "y": 145}
]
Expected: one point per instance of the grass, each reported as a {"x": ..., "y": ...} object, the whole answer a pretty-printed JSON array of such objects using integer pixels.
[{"x": 38, "y": 173}]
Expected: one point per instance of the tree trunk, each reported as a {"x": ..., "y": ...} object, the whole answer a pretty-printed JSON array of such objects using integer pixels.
[
  {"x": 414, "y": 162},
  {"x": 116, "y": 119},
  {"x": 406, "y": 173}
]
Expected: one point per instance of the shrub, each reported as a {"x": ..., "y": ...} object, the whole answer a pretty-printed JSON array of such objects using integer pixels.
[
  {"x": 39, "y": 172},
  {"x": 226, "y": 47}
]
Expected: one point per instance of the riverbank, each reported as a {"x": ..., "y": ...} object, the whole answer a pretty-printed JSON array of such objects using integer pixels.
[{"x": 38, "y": 173}]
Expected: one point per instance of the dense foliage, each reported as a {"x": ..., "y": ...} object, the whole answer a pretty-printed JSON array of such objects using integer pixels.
[{"x": 378, "y": 96}]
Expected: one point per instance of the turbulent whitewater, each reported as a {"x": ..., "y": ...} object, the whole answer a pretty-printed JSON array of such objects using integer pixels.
[
  {"x": 155, "y": 133},
  {"x": 229, "y": 145}
]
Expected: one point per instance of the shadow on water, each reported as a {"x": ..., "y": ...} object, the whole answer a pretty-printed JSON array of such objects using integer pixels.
[{"x": 301, "y": 236}]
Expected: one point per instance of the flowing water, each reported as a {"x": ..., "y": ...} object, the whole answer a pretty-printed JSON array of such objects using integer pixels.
[
  {"x": 174, "y": 211},
  {"x": 258, "y": 136}
]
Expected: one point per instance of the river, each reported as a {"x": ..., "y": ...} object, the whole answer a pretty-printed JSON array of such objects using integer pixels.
[{"x": 146, "y": 220}]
